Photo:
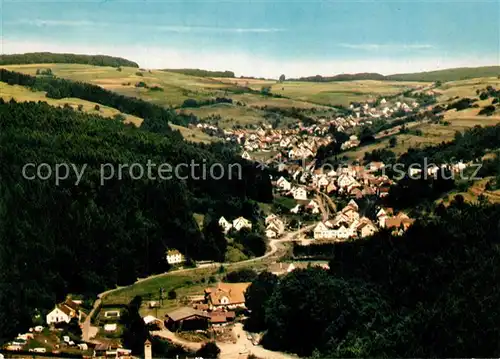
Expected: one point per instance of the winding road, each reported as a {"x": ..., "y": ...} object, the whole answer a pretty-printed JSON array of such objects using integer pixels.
[{"x": 89, "y": 331}]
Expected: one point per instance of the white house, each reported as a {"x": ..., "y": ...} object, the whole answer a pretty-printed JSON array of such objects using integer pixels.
[
  {"x": 366, "y": 228},
  {"x": 285, "y": 142},
  {"x": 226, "y": 226},
  {"x": 299, "y": 193},
  {"x": 353, "y": 204},
  {"x": 275, "y": 227},
  {"x": 323, "y": 181},
  {"x": 241, "y": 222},
  {"x": 321, "y": 231},
  {"x": 59, "y": 314},
  {"x": 350, "y": 212},
  {"x": 296, "y": 209},
  {"x": 174, "y": 257},
  {"x": 345, "y": 181},
  {"x": 344, "y": 233},
  {"x": 246, "y": 156},
  {"x": 313, "y": 206},
  {"x": 283, "y": 184}
]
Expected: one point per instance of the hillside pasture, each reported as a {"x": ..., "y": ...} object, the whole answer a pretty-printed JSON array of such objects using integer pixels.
[
  {"x": 23, "y": 94},
  {"x": 342, "y": 92},
  {"x": 432, "y": 134},
  {"x": 176, "y": 87},
  {"x": 465, "y": 88},
  {"x": 230, "y": 114}
]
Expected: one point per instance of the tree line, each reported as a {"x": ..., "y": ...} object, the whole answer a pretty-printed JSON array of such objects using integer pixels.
[
  {"x": 202, "y": 73},
  {"x": 61, "y": 58}
]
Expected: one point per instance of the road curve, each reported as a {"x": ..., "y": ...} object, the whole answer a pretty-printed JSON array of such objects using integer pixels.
[{"x": 87, "y": 328}]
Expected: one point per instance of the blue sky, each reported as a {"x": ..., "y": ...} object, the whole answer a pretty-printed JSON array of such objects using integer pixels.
[{"x": 263, "y": 38}]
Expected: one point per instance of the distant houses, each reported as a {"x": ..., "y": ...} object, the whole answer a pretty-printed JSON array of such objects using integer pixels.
[{"x": 238, "y": 224}]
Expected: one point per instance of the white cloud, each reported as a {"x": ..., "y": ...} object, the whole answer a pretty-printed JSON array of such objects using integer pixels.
[
  {"x": 165, "y": 28},
  {"x": 40, "y": 23},
  {"x": 392, "y": 47},
  {"x": 252, "y": 64}
]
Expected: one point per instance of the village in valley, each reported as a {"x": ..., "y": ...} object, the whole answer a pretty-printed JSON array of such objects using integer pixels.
[{"x": 314, "y": 204}]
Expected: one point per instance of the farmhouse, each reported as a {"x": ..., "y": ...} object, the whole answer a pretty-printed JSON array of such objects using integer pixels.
[
  {"x": 173, "y": 256},
  {"x": 63, "y": 312},
  {"x": 226, "y": 296}
]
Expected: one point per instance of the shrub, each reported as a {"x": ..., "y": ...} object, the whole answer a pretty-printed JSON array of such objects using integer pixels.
[
  {"x": 141, "y": 84},
  {"x": 488, "y": 110},
  {"x": 190, "y": 102},
  {"x": 209, "y": 350},
  {"x": 172, "y": 294}
]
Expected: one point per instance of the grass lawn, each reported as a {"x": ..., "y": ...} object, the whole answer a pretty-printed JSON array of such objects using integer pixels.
[{"x": 150, "y": 288}]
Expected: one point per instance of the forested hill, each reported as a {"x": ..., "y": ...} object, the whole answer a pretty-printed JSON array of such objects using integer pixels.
[
  {"x": 342, "y": 77},
  {"x": 61, "y": 58},
  {"x": 202, "y": 73},
  {"x": 69, "y": 237},
  {"x": 457, "y": 74}
]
